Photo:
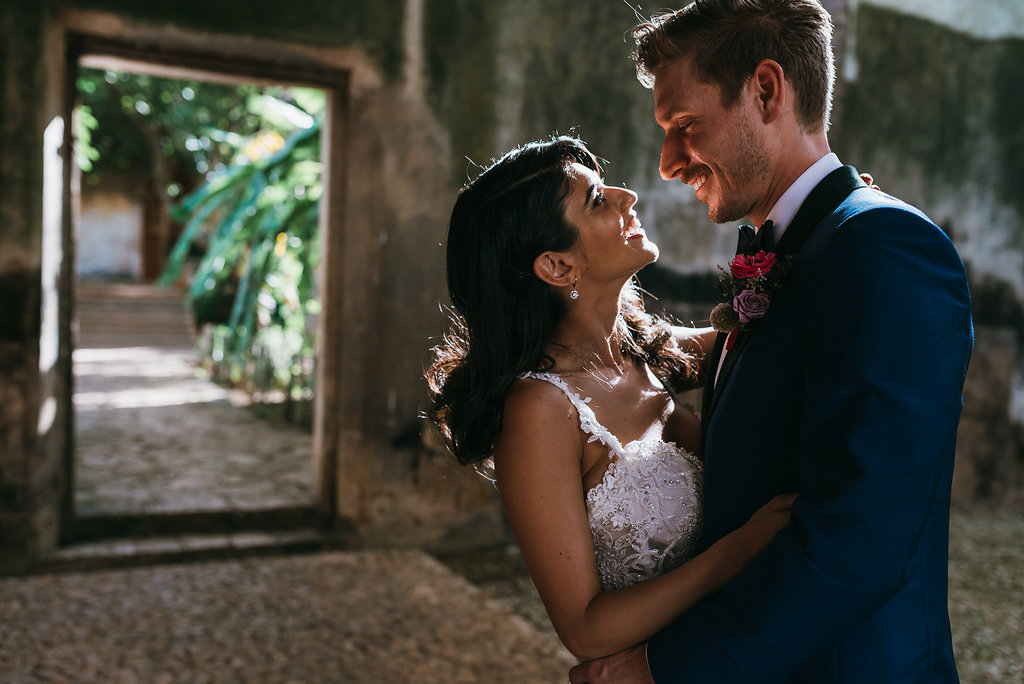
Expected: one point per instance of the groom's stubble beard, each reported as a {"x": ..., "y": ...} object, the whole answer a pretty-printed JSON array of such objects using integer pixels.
[{"x": 749, "y": 166}]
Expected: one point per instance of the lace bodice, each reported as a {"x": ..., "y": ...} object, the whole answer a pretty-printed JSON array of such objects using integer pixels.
[{"x": 645, "y": 514}]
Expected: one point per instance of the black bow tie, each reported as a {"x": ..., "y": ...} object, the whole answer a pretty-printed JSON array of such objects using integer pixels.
[{"x": 751, "y": 242}]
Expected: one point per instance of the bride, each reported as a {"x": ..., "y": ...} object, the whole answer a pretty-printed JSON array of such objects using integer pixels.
[{"x": 553, "y": 369}]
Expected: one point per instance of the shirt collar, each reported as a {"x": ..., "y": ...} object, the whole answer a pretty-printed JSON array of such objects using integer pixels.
[{"x": 786, "y": 207}]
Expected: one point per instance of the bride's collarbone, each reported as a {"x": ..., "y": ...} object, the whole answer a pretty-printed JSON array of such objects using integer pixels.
[
  {"x": 631, "y": 410},
  {"x": 635, "y": 409}
]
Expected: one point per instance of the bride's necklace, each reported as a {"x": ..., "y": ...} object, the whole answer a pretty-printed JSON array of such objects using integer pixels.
[{"x": 603, "y": 372}]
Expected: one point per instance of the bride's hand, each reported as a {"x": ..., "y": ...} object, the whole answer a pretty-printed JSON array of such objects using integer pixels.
[
  {"x": 766, "y": 522},
  {"x": 866, "y": 177}
]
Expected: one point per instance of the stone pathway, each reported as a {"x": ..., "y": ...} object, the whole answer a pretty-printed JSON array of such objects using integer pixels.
[
  {"x": 152, "y": 436},
  {"x": 394, "y": 616},
  {"x": 355, "y": 617}
]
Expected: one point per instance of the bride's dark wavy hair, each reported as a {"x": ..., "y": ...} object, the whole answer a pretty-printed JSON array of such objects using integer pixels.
[{"x": 504, "y": 315}]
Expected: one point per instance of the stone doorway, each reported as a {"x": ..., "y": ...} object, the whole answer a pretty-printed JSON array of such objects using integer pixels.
[{"x": 156, "y": 450}]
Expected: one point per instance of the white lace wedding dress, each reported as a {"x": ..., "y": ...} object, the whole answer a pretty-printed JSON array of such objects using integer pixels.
[{"x": 645, "y": 514}]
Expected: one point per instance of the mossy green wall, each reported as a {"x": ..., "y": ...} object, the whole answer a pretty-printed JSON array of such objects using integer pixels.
[
  {"x": 461, "y": 66},
  {"x": 500, "y": 74},
  {"x": 938, "y": 117},
  {"x": 943, "y": 100}
]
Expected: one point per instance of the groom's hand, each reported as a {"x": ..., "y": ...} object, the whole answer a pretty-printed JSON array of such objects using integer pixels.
[{"x": 625, "y": 667}]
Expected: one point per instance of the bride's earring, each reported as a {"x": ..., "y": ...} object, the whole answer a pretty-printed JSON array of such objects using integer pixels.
[{"x": 574, "y": 295}]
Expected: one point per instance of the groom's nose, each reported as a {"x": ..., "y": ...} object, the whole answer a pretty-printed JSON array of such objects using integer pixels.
[{"x": 674, "y": 158}]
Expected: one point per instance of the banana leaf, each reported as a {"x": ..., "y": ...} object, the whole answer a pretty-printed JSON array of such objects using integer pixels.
[{"x": 259, "y": 220}]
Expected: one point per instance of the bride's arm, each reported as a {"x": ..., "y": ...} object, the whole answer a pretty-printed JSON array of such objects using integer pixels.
[
  {"x": 538, "y": 468},
  {"x": 696, "y": 341}
]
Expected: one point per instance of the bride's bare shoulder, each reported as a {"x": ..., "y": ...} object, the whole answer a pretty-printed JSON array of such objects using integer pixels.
[
  {"x": 533, "y": 398},
  {"x": 536, "y": 412}
]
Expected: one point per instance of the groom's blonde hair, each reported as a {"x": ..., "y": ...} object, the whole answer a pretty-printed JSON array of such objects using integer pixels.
[{"x": 728, "y": 38}]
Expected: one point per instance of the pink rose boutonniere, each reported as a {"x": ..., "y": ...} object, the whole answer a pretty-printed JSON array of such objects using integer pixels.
[
  {"x": 748, "y": 286},
  {"x": 751, "y": 266}
]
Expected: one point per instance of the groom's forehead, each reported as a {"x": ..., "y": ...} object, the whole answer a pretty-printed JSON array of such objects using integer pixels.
[{"x": 678, "y": 90}]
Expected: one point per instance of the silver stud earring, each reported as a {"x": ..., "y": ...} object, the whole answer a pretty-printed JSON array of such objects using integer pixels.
[{"x": 574, "y": 295}]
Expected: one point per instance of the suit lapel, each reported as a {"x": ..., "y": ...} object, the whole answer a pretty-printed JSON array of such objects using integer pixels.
[
  {"x": 710, "y": 385},
  {"x": 822, "y": 201}
]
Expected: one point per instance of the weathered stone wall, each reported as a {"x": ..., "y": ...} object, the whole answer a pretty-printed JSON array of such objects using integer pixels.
[
  {"x": 32, "y": 359},
  {"x": 937, "y": 116},
  {"x": 438, "y": 88},
  {"x": 506, "y": 73},
  {"x": 985, "y": 466},
  {"x": 374, "y": 28}
]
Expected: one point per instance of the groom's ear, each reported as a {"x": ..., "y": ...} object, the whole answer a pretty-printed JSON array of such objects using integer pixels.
[
  {"x": 555, "y": 268},
  {"x": 769, "y": 85}
]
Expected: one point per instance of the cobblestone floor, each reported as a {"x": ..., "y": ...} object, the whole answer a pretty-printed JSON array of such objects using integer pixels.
[
  {"x": 152, "y": 436},
  {"x": 355, "y": 617},
  {"x": 986, "y": 590},
  {"x": 986, "y": 593},
  {"x": 393, "y": 616}
]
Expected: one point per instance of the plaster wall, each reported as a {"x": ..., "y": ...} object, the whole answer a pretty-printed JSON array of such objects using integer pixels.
[
  {"x": 108, "y": 236},
  {"x": 505, "y": 73}
]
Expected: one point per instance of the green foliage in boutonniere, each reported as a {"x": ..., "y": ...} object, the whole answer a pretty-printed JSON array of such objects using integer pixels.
[{"x": 748, "y": 286}]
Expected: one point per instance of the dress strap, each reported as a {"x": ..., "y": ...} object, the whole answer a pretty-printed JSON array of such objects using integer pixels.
[{"x": 588, "y": 421}]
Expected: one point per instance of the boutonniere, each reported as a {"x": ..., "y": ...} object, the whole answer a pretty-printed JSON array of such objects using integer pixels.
[{"x": 748, "y": 286}]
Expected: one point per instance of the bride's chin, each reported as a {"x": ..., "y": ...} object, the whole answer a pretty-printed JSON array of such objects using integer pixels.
[{"x": 652, "y": 250}]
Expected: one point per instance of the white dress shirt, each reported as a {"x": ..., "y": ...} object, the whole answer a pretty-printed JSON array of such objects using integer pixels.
[
  {"x": 790, "y": 202},
  {"x": 786, "y": 207}
]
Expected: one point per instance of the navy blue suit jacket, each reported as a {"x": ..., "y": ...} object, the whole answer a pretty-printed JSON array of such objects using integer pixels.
[{"x": 848, "y": 391}]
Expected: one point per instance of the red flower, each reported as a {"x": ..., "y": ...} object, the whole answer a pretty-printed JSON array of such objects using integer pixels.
[{"x": 746, "y": 266}]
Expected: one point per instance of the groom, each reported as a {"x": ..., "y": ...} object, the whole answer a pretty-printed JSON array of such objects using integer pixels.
[{"x": 847, "y": 390}]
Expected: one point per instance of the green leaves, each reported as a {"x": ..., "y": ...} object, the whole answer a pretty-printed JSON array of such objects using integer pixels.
[
  {"x": 242, "y": 165},
  {"x": 258, "y": 220}
]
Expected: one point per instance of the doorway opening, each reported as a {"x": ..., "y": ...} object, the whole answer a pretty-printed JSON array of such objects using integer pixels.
[{"x": 198, "y": 282}]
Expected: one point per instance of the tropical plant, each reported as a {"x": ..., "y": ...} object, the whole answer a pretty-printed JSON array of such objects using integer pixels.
[
  {"x": 256, "y": 227},
  {"x": 172, "y": 133},
  {"x": 237, "y": 169}
]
